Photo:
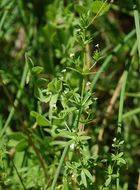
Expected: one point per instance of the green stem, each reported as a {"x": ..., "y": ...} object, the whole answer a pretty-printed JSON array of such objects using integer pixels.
[
  {"x": 131, "y": 113},
  {"x": 3, "y": 19},
  {"x": 18, "y": 174},
  {"x": 131, "y": 94},
  {"x": 98, "y": 13},
  {"x": 118, "y": 181},
  {"x": 83, "y": 80},
  {"x": 59, "y": 167},
  {"x": 21, "y": 11},
  {"x": 137, "y": 26},
  {"x": 21, "y": 86},
  {"x": 6, "y": 8},
  {"x": 121, "y": 103}
]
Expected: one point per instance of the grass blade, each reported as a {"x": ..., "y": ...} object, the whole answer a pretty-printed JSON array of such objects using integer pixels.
[
  {"x": 137, "y": 26},
  {"x": 109, "y": 58}
]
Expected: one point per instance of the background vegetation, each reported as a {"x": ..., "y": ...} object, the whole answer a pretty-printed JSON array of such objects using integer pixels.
[{"x": 69, "y": 91}]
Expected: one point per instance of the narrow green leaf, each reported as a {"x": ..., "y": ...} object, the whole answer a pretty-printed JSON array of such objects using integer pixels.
[
  {"x": 22, "y": 145},
  {"x": 59, "y": 85},
  {"x": 51, "y": 86},
  {"x": 17, "y": 136},
  {"x": 120, "y": 154},
  {"x": 110, "y": 169},
  {"x": 37, "y": 70},
  {"x": 83, "y": 178},
  {"x": 121, "y": 160},
  {"x": 121, "y": 142},
  {"x": 74, "y": 70},
  {"x": 131, "y": 113},
  {"x": 34, "y": 114},
  {"x": 42, "y": 121},
  {"x": 84, "y": 138},
  {"x": 88, "y": 174},
  {"x": 80, "y": 9},
  {"x": 86, "y": 98},
  {"x": 66, "y": 186},
  {"x": 67, "y": 134},
  {"x": 68, "y": 110},
  {"x": 108, "y": 181},
  {"x": 62, "y": 143}
]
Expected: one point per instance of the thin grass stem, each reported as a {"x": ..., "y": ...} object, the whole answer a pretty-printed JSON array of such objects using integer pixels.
[
  {"x": 21, "y": 86},
  {"x": 118, "y": 181},
  {"x": 131, "y": 113},
  {"x": 59, "y": 167},
  {"x": 137, "y": 26},
  {"x": 121, "y": 103},
  {"x": 18, "y": 174},
  {"x": 120, "y": 115}
]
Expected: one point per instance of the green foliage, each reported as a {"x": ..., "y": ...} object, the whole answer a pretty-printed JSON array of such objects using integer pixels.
[
  {"x": 61, "y": 124},
  {"x": 100, "y": 6}
]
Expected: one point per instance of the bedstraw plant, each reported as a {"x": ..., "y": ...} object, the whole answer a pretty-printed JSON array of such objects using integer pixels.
[{"x": 63, "y": 131}]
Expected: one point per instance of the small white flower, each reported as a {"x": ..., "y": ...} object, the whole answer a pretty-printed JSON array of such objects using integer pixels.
[
  {"x": 78, "y": 30},
  {"x": 54, "y": 106},
  {"x": 72, "y": 54},
  {"x": 114, "y": 139},
  {"x": 97, "y": 45},
  {"x": 63, "y": 71},
  {"x": 65, "y": 92},
  {"x": 61, "y": 78},
  {"x": 72, "y": 146}
]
